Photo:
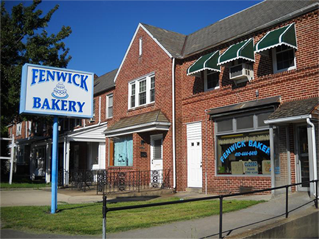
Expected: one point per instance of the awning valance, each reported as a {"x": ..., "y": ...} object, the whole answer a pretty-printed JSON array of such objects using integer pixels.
[
  {"x": 242, "y": 50},
  {"x": 283, "y": 36},
  {"x": 206, "y": 62}
]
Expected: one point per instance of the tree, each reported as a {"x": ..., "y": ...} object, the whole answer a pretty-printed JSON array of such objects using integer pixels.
[{"x": 25, "y": 40}]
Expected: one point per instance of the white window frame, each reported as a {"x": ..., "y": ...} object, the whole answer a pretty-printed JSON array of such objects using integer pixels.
[
  {"x": 137, "y": 91},
  {"x": 107, "y": 106},
  {"x": 206, "y": 73},
  {"x": 93, "y": 116},
  {"x": 274, "y": 61}
]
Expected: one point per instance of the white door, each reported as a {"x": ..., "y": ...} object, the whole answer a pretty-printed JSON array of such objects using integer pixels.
[
  {"x": 194, "y": 155},
  {"x": 156, "y": 159}
]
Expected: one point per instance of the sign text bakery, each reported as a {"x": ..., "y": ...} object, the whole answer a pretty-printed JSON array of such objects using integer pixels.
[{"x": 56, "y": 91}]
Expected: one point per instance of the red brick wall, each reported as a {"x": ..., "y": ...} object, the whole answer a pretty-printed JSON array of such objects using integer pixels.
[
  {"x": 295, "y": 84},
  {"x": 153, "y": 59}
]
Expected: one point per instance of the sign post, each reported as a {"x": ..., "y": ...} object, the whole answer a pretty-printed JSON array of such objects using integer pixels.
[{"x": 60, "y": 93}]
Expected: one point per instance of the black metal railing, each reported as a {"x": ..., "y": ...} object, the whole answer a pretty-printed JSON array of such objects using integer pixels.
[
  {"x": 105, "y": 210},
  {"x": 116, "y": 181}
]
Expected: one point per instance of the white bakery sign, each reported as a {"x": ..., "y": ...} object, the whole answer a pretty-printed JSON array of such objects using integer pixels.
[{"x": 56, "y": 91}]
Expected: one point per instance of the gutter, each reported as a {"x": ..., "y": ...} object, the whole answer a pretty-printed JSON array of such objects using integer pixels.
[
  {"x": 288, "y": 119},
  {"x": 173, "y": 123},
  {"x": 314, "y": 157}
]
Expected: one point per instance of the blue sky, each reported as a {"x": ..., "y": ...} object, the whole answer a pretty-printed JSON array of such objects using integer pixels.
[{"x": 102, "y": 30}]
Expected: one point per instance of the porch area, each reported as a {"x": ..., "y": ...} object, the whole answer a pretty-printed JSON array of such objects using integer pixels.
[{"x": 117, "y": 181}]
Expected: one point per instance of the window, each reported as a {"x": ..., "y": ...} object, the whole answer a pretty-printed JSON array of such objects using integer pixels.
[
  {"x": 141, "y": 91},
  {"x": 152, "y": 93},
  {"x": 132, "y": 91},
  {"x": 242, "y": 144},
  {"x": 211, "y": 80},
  {"x": 121, "y": 151},
  {"x": 95, "y": 153},
  {"x": 78, "y": 122},
  {"x": 109, "y": 107},
  {"x": 284, "y": 58},
  {"x": 243, "y": 154}
]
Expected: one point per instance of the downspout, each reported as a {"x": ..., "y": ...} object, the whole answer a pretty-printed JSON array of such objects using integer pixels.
[
  {"x": 173, "y": 123},
  {"x": 99, "y": 110},
  {"x": 314, "y": 157}
]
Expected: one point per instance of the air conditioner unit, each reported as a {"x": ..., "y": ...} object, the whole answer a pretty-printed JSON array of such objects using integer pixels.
[{"x": 241, "y": 72}]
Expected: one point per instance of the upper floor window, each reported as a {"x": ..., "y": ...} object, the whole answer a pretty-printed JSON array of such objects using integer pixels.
[
  {"x": 141, "y": 91},
  {"x": 283, "y": 58},
  {"x": 109, "y": 106},
  {"x": 211, "y": 80}
]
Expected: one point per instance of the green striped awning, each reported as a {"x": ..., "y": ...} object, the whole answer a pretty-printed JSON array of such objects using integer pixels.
[
  {"x": 282, "y": 36},
  {"x": 206, "y": 62},
  {"x": 242, "y": 50}
]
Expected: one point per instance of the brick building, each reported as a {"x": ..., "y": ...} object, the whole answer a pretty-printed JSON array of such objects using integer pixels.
[{"x": 231, "y": 107}]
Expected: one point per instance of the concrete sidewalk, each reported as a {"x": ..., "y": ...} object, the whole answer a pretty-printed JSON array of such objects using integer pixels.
[{"x": 199, "y": 228}]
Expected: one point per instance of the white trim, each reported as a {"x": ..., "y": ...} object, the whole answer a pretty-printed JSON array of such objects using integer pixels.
[
  {"x": 137, "y": 81},
  {"x": 238, "y": 57},
  {"x": 138, "y": 129},
  {"x": 204, "y": 67},
  {"x": 280, "y": 39},
  {"x": 287, "y": 119},
  {"x": 205, "y": 81},
  {"x": 140, "y": 46},
  {"x": 129, "y": 47},
  {"x": 274, "y": 61},
  {"x": 107, "y": 106},
  {"x": 173, "y": 123}
]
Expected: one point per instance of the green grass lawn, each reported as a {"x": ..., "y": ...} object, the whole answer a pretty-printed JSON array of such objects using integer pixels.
[{"x": 86, "y": 219}]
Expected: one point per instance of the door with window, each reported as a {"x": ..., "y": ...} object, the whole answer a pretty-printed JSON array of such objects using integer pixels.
[
  {"x": 194, "y": 155},
  {"x": 303, "y": 158},
  {"x": 156, "y": 159}
]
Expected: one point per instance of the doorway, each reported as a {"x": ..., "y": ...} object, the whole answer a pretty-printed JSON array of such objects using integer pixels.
[
  {"x": 302, "y": 158},
  {"x": 194, "y": 155},
  {"x": 156, "y": 159}
]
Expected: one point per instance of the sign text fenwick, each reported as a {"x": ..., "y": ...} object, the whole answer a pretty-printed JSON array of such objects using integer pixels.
[{"x": 55, "y": 91}]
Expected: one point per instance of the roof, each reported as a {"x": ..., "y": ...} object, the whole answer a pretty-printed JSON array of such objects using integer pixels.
[
  {"x": 257, "y": 17},
  {"x": 245, "y": 106},
  {"x": 241, "y": 23},
  {"x": 295, "y": 108},
  {"x": 140, "y": 123},
  {"x": 104, "y": 82},
  {"x": 173, "y": 42}
]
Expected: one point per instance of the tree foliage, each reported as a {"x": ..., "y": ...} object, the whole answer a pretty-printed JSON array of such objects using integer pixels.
[{"x": 24, "y": 39}]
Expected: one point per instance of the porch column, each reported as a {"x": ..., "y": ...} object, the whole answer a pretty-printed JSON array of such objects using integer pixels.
[
  {"x": 66, "y": 161},
  {"x": 48, "y": 163},
  {"x": 312, "y": 157},
  {"x": 272, "y": 156}
]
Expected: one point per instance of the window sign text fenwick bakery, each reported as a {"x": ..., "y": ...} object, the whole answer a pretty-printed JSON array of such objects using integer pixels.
[{"x": 56, "y": 91}]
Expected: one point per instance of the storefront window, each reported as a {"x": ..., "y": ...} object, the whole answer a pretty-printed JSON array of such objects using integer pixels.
[
  {"x": 121, "y": 151},
  {"x": 243, "y": 154}
]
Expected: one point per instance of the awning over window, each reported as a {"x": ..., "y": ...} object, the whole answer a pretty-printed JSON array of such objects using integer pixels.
[
  {"x": 242, "y": 50},
  {"x": 206, "y": 62},
  {"x": 282, "y": 36}
]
